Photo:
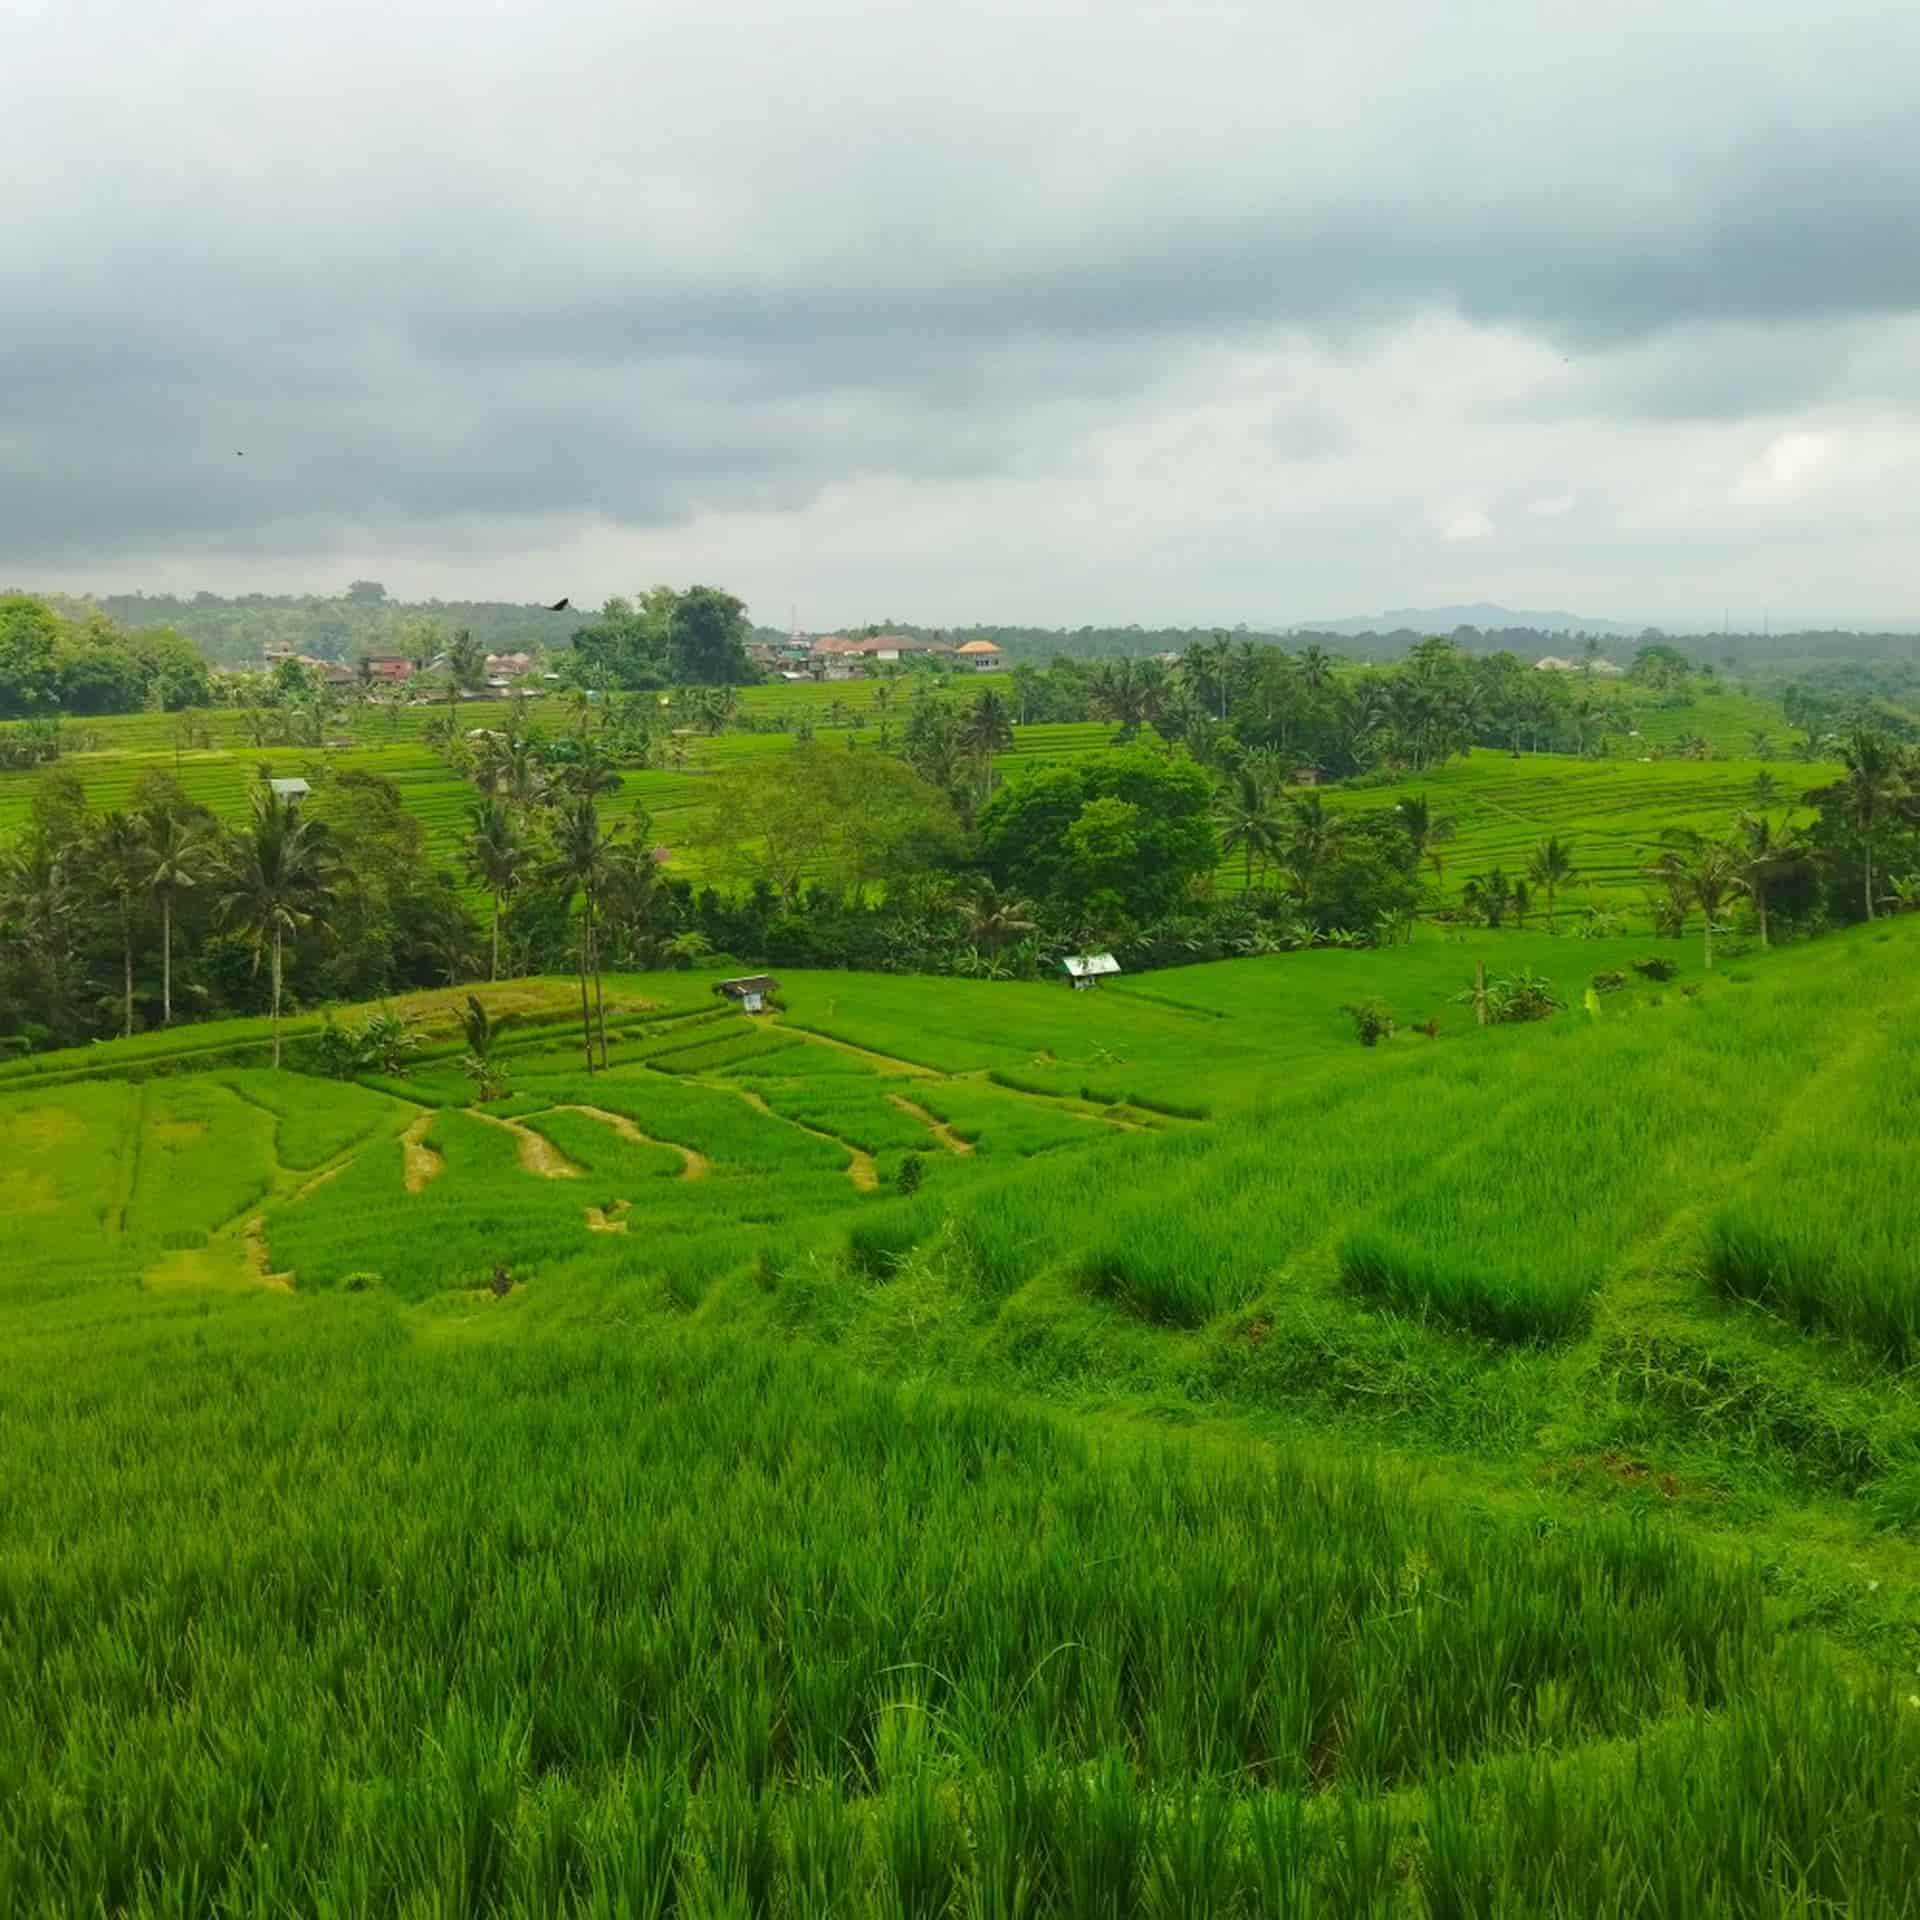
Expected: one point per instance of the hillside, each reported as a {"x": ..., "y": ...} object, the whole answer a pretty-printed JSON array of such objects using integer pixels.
[
  {"x": 961, "y": 1446},
  {"x": 1615, "y": 808}
]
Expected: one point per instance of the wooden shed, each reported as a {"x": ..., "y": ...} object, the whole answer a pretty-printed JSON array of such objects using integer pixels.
[
  {"x": 289, "y": 789},
  {"x": 751, "y": 992},
  {"x": 1086, "y": 970}
]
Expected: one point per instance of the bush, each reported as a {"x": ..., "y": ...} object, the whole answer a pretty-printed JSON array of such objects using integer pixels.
[
  {"x": 1372, "y": 1021},
  {"x": 1608, "y": 980},
  {"x": 1655, "y": 966},
  {"x": 912, "y": 1172}
]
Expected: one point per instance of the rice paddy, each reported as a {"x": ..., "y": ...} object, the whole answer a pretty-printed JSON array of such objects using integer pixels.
[
  {"x": 1502, "y": 805},
  {"x": 961, "y": 1448}
]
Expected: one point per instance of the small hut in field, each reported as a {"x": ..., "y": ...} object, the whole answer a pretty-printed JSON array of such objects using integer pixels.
[
  {"x": 751, "y": 993},
  {"x": 1086, "y": 970}
]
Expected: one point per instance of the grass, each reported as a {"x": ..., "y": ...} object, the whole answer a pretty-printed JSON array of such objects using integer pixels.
[{"x": 1300, "y": 1478}]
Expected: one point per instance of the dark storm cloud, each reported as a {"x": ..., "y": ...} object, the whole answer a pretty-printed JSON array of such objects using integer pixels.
[{"x": 423, "y": 264}]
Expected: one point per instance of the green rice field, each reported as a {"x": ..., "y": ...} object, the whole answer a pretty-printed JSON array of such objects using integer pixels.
[
  {"x": 953, "y": 1448},
  {"x": 1501, "y": 805}
]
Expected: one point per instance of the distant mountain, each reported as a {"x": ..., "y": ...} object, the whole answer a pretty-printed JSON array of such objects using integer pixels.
[{"x": 1479, "y": 613}]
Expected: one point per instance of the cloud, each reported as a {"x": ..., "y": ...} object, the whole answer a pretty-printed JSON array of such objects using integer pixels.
[
  {"x": 1553, "y": 506},
  {"x": 1790, "y": 466},
  {"x": 570, "y": 278},
  {"x": 1466, "y": 523}
]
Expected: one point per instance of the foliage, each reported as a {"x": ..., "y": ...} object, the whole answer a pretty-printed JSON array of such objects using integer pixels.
[
  {"x": 1372, "y": 1021},
  {"x": 383, "y": 1043}
]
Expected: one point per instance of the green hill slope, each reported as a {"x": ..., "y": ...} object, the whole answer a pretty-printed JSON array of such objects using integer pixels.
[{"x": 958, "y": 1446}]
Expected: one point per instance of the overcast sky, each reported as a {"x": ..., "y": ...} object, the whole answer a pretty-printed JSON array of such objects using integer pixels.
[{"x": 1030, "y": 311}]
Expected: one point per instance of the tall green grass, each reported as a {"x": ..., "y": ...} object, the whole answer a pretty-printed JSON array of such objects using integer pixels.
[
  {"x": 459, "y": 1639},
  {"x": 1824, "y": 1231}
]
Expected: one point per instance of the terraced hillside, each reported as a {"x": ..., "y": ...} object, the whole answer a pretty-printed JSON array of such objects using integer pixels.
[
  {"x": 1502, "y": 804},
  {"x": 968, "y": 1447}
]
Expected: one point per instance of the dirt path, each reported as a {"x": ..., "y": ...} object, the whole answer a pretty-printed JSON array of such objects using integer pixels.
[
  {"x": 538, "y": 1154},
  {"x": 693, "y": 1166},
  {"x": 255, "y": 1234},
  {"x": 860, "y": 1168},
  {"x": 422, "y": 1162},
  {"x": 933, "y": 1124}
]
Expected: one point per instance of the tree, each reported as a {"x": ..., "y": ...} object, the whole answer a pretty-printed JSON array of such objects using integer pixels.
[
  {"x": 496, "y": 854},
  {"x": 582, "y": 850},
  {"x": 1028, "y": 830},
  {"x": 1550, "y": 867},
  {"x": 706, "y": 638},
  {"x": 480, "y": 1030},
  {"x": 114, "y": 859},
  {"x": 1765, "y": 853},
  {"x": 175, "y": 858},
  {"x": 1244, "y": 814},
  {"x": 1699, "y": 871},
  {"x": 994, "y": 917},
  {"x": 1490, "y": 896},
  {"x": 987, "y": 731},
  {"x": 1311, "y": 834},
  {"x": 275, "y": 877},
  {"x": 1873, "y": 784}
]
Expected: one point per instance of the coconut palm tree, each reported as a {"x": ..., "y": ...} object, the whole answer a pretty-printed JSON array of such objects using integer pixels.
[
  {"x": 1550, "y": 867},
  {"x": 1243, "y": 812},
  {"x": 1766, "y": 852},
  {"x": 175, "y": 858},
  {"x": 274, "y": 878},
  {"x": 496, "y": 854},
  {"x": 1699, "y": 871},
  {"x": 1874, "y": 782},
  {"x": 987, "y": 730},
  {"x": 582, "y": 849},
  {"x": 1309, "y": 834},
  {"x": 114, "y": 854},
  {"x": 994, "y": 917}
]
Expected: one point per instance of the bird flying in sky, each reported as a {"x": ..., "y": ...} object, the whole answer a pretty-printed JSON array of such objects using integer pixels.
[{"x": 560, "y": 605}]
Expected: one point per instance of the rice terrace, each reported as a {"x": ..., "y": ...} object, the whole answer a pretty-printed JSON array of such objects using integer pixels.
[
  {"x": 959, "y": 964},
  {"x": 951, "y": 1446}
]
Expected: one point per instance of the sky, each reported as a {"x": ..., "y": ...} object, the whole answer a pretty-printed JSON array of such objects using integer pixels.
[{"x": 1019, "y": 311}]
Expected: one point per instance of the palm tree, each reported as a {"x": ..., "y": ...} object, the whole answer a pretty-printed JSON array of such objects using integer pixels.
[
  {"x": 115, "y": 853},
  {"x": 1550, "y": 867},
  {"x": 1766, "y": 852},
  {"x": 582, "y": 851},
  {"x": 1699, "y": 871},
  {"x": 1488, "y": 895},
  {"x": 495, "y": 854},
  {"x": 174, "y": 859},
  {"x": 1310, "y": 834},
  {"x": 274, "y": 878},
  {"x": 39, "y": 896},
  {"x": 994, "y": 917},
  {"x": 1760, "y": 743},
  {"x": 988, "y": 730},
  {"x": 1873, "y": 783},
  {"x": 1243, "y": 811},
  {"x": 1425, "y": 828},
  {"x": 1765, "y": 789}
]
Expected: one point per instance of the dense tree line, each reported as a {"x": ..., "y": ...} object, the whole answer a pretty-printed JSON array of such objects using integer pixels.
[{"x": 51, "y": 664}]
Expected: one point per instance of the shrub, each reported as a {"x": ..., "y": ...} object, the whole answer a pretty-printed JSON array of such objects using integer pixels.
[
  {"x": 1655, "y": 966},
  {"x": 1608, "y": 980},
  {"x": 912, "y": 1172},
  {"x": 1372, "y": 1021}
]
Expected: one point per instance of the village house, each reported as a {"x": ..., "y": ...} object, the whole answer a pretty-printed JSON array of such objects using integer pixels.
[
  {"x": 388, "y": 669},
  {"x": 981, "y": 655},
  {"x": 508, "y": 665}
]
